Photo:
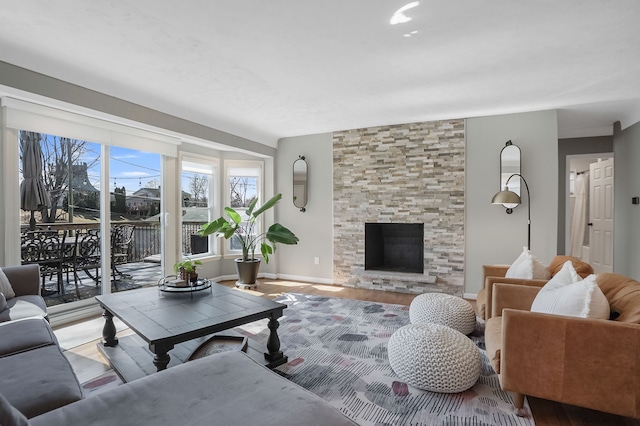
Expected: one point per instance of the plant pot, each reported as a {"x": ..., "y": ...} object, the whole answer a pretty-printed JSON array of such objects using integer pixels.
[
  {"x": 183, "y": 274},
  {"x": 248, "y": 270},
  {"x": 187, "y": 276}
]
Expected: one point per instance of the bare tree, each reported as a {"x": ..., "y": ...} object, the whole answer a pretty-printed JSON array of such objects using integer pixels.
[
  {"x": 239, "y": 190},
  {"x": 58, "y": 153},
  {"x": 153, "y": 183},
  {"x": 198, "y": 185}
]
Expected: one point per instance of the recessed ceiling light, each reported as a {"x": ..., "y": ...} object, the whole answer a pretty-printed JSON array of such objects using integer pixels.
[{"x": 399, "y": 17}]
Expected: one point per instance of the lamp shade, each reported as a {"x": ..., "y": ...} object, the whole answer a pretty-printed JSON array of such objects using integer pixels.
[{"x": 506, "y": 197}]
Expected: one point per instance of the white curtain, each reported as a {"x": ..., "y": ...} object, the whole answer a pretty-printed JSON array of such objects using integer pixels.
[{"x": 579, "y": 219}]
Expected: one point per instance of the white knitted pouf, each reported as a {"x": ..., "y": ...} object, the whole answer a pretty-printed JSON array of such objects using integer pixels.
[
  {"x": 439, "y": 308},
  {"x": 434, "y": 357}
]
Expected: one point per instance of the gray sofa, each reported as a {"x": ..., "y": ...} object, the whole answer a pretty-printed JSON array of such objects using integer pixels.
[
  {"x": 228, "y": 388},
  {"x": 35, "y": 376},
  {"x": 38, "y": 387},
  {"x": 25, "y": 281}
]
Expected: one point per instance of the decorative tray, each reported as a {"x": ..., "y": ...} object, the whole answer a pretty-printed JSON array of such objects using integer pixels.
[{"x": 168, "y": 284}]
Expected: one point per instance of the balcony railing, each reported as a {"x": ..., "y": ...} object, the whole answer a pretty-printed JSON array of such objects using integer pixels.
[{"x": 140, "y": 265}]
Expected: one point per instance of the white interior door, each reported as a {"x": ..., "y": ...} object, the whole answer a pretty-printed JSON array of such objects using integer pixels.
[{"x": 601, "y": 215}]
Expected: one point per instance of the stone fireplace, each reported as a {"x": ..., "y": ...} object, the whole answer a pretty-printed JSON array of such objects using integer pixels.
[
  {"x": 394, "y": 247},
  {"x": 401, "y": 174}
]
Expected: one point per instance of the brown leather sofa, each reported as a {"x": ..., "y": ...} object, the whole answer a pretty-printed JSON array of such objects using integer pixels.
[{"x": 590, "y": 363}]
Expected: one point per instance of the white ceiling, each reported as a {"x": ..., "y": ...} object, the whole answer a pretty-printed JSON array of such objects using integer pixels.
[{"x": 270, "y": 69}]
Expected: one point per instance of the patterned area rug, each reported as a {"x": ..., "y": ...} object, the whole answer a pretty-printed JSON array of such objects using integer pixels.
[
  {"x": 337, "y": 350},
  {"x": 105, "y": 382}
]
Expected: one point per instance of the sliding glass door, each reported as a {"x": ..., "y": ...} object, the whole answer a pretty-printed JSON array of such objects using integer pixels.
[
  {"x": 136, "y": 199},
  {"x": 62, "y": 213}
]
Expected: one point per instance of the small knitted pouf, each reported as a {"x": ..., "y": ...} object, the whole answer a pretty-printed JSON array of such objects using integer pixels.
[
  {"x": 434, "y": 357},
  {"x": 439, "y": 308}
]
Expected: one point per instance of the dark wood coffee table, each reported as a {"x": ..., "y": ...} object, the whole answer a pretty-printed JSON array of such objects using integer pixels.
[{"x": 164, "y": 320}]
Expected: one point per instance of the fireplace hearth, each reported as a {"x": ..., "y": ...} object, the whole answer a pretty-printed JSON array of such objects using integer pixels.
[{"x": 394, "y": 247}]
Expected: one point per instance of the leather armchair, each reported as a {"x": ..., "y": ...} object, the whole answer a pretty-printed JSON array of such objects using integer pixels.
[
  {"x": 590, "y": 363},
  {"x": 492, "y": 274}
]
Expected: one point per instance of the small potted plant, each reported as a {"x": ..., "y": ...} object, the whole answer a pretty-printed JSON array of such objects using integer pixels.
[
  {"x": 248, "y": 265},
  {"x": 186, "y": 270}
]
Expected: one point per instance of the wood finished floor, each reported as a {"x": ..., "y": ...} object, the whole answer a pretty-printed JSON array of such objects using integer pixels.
[{"x": 88, "y": 363}]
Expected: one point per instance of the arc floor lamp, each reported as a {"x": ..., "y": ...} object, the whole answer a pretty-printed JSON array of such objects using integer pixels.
[{"x": 509, "y": 197}]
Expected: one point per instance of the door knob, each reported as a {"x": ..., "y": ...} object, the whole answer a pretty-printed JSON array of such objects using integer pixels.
[{"x": 590, "y": 224}]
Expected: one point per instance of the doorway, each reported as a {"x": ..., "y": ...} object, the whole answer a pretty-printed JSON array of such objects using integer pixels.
[{"x": 589, "y": 210}]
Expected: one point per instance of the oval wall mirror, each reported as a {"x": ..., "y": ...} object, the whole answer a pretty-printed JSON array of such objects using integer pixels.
[
  {"x": 509, "y": 165},
  {"x": 300, "y": 183}
]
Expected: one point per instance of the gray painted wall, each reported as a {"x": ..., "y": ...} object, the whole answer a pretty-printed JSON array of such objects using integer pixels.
[
  {"x": 2, "y": 191},
  {"x": 626, "y": 233},
  {"x": 40, "y": 84},
  {"x": 574, "y": 146},
  {"x": 492, "y": 236},
  {"x": 313, "y": 227}
]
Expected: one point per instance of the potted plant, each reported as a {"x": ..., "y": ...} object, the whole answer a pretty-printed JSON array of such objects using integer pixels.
[
  {"x": 186, "y": 269},
  {"x": 248, "y": 265}
]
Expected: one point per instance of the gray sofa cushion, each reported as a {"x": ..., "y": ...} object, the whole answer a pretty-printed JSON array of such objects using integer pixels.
[
  {"x": 38, "y": 380},
  {"x": 224, "y": 389},
  {"x": 26, "y": 334},
  {"x": 9, "y": 416},
  {"x": 5, "y": 286},
  {"x": 3, "y": 302},
  {"x": 24, "y": 307}
]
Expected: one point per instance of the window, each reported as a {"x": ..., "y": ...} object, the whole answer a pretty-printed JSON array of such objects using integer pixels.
[
  {"x": 86, "y": 169},
  {"x": 244, "y": 180},
  {"x": 135, "y": 179},
  {"x": 71, "y": 191},
  {"x": 198, "y": 205}
]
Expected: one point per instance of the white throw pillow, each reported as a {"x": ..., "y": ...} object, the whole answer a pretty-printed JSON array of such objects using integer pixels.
[
  {"x": 528, "y": 267},
  {"x": 5, "y": 286},
  {"x": 567, "y": 294}
]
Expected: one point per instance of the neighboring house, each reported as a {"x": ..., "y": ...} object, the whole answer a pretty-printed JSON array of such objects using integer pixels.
[
  {"x": 144, "y": 202},
  {"x": 189, "y": 201}
]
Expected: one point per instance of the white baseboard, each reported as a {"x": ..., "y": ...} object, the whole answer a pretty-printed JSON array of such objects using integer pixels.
[
  {"x": 470, "y": 296},
  {"x": 59, "y": 318},
  {"x": 301, "y": 278},
  {"x": 315, "y": 280}
]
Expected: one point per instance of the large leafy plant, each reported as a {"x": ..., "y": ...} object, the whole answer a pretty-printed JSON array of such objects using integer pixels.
[{"x": 245, "y": 231}]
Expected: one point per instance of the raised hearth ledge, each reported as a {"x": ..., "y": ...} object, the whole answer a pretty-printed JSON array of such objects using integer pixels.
[
  {"x": 401, "y": 276},
  {"x": 402, "y": 282}
]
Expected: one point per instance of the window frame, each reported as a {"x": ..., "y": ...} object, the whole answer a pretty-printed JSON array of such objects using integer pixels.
[
  {"x": 213, "y": 205},
  {"x": 228, "y": 253}
]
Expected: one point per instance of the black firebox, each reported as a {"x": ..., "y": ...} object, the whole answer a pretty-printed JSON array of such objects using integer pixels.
[{"x": 394, "y": 247}]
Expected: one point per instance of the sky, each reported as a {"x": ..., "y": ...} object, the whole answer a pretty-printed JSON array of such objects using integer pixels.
[{"x": 129, "y": 168}]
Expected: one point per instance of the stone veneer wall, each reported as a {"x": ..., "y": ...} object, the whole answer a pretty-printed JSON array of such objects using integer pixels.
[{"x": 408, "y": 173}]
